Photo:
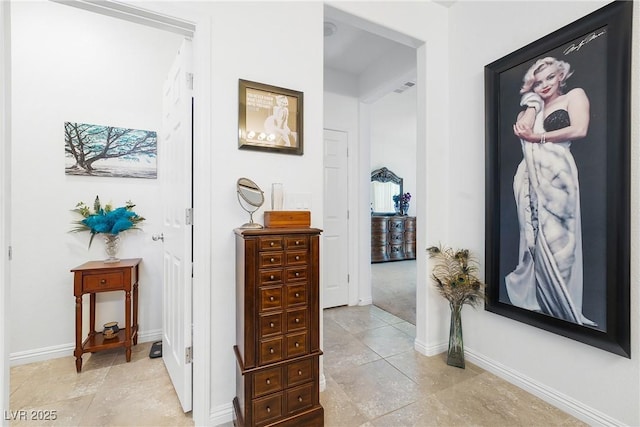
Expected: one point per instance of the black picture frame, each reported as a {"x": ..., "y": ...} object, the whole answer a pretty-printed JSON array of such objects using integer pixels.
[
  {"x": 270, "y": 118},
  {"x": 598, "y": 49}
]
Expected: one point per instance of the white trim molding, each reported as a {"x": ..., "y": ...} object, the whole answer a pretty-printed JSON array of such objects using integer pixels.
[{"x": 583, "y": 412}]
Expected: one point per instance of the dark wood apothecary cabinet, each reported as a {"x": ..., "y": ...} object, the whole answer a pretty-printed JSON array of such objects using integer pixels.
[{"x": 277, "y": 327}]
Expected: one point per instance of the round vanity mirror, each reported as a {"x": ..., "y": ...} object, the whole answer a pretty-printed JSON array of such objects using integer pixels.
[{"x": 251, "y": 197}]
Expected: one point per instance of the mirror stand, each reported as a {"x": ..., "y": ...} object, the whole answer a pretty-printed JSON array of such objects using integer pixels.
[{"x": 250, "y": 197}]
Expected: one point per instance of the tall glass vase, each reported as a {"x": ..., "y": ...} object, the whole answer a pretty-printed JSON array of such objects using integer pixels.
[
  {"x": 455, "y": 355},
  {"x": 111, "y": 245}
]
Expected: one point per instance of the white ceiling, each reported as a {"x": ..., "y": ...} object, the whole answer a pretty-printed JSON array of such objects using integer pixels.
[{"x": 353, "y": 50}]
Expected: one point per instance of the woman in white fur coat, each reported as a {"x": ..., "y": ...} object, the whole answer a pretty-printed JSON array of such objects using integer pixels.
[{"x": 548, "y": 277}]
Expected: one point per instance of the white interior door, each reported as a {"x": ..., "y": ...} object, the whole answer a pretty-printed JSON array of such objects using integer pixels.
[
  {"x": 175, "y": 158},
  {"x": 335, "y": 270}
]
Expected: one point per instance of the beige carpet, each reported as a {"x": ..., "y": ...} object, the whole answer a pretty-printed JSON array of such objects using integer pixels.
[{"x": 394, "y": 288}]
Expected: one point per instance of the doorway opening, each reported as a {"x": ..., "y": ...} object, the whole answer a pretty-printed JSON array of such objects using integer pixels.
[
  {"x": 201, "y": 295},
  {"x": 370, "y": 95}
]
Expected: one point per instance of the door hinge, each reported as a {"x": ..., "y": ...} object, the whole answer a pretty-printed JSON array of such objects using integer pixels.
[
  {"x": 347, "y": 214},
  {"x": 190, "y": 80},
  {"x": 348, "y": 278},
  {"x": 188, "y": 355},
  {"x": 188, "y": 216},
  {"x": 10, "y": 253}
]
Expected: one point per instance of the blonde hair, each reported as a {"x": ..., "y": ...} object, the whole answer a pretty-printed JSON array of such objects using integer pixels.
[{"x": 563, "y": 68}]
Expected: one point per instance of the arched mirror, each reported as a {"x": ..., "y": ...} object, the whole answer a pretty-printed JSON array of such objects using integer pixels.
[
  {"x": 384, "y": 185},
  {"x": 251, "y": 197}
]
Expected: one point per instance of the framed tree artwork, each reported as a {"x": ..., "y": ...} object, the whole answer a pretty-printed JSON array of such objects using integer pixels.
[
  {"x": 99, "y": 150},
  {"x": 558, "y": 181}
]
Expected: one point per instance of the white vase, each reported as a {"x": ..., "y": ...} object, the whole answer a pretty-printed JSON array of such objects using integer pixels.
[{"x": 277, "y": 196}]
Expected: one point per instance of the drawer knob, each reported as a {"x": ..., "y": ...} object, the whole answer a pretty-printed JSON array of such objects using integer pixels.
[
  {"x": 271, "y": 299},
  {"x": 300, "y": 399},
  {"x": 272, "y": 259},
  {"x": 272, "y": 277},
  {"x": 299, "y": 372},
  {"x": 103, "y": 281},
  {"x": 297, "y": 295},
  {"x": 297, "y": 320},
  {"x": 297, "y": 344},
  {"x": 271, "y": 324},
  {"x": 272, "y": 243},
  {"x": 268, "y": 409},
  {"x": 297, "y": 273},
  {"x": 297, "y": 242},
  {"x": 297, "y": 257},
  {"x": 268, "y": 381},
  {"x": 271, "y": 350}
]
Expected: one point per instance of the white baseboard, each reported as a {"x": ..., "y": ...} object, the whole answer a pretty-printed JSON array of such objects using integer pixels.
[
  {"x": 41, "y": 354},
  {"x": 579, "y": 410},
  {"x": 429, "y": 351},
  {"x": 64, "y": 350},
  {"x": 366, "y": 301},
  {"x": 221, "y": 414},
  {"x": 323, "y": 382}
]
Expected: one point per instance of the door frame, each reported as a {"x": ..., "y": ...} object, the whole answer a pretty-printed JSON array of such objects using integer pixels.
[
  {"x": 201, "y": 28},
  {"x": 5, "y": 197}
]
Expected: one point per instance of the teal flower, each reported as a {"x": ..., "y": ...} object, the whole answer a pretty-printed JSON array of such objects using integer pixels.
[{"x": 106, "y": 219}]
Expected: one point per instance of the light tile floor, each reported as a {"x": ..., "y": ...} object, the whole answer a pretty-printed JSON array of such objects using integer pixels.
[{"x": 374, "y": 379}]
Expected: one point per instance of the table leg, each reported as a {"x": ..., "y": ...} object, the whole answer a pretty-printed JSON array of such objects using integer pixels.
[
  {"x": 78, "y": 351},
  {"x": 127, "y": 322},
  {"x": 135, "y": 312},
  {"x": 92, "y": 314}
]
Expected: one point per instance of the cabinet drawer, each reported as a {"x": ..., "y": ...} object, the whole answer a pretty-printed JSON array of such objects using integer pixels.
[
  {"x": 103, "y": 281},
  {"x": 270, "y": 324},
  {"x": 296, "y": 320},
  {"x": 297, "y": 258},
  {"x": 396, "y": 224},
  {"x": 396, "y": 252},
  {"x": 271, "y": 350},
  {"x": 269, "y": 277},
  {"x": 410, "y": 224},
  {"x": 379, "y": 225},
  {"x": 299, "y": 372},
  {"x": 396, "y": 238},
  {"x": 379, "y": 239},
  {"x": 299, "y": 398},
  {"x": 270, "y": 298},
  {"x": 271, "y": 243},
  {"x": 296, "y": 344},
  {"x": 296, "y": 295},
  {"x": 294, "y": 274},
  {"x": 267, "y": 381},
  {"x": 267, "y": 409},
  {"x": 270, "y": 259},
  {"x": 296, "y": 242}
]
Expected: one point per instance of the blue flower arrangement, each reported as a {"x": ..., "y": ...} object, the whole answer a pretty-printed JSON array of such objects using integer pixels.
[{"x": 106, "y": 219}]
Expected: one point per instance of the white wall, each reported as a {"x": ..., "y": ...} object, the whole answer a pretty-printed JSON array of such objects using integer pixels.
[
  {"x": 592, "y": 383},
  {"x": 73, "y": 65},
  {"x": 278, "y": 43},
  {"x": 393, "y": 138}
]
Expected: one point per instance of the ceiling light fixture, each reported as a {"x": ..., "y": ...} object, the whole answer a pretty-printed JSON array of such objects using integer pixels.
[{"x": 329, "y": 28}]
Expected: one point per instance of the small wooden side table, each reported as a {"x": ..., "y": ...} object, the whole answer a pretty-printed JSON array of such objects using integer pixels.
[{"x": 97, "y": 276}]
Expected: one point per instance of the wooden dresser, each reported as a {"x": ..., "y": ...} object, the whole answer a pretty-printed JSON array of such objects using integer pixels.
[
  {"x": 277, "y": 327},
  {"x": 393, "y": 238}
]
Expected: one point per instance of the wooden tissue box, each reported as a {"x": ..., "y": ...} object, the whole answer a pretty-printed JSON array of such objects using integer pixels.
[{"x": 287, "y": 219}]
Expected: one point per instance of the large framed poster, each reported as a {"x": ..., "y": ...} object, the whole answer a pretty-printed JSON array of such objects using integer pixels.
[{"x": 557, "y": 183}]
